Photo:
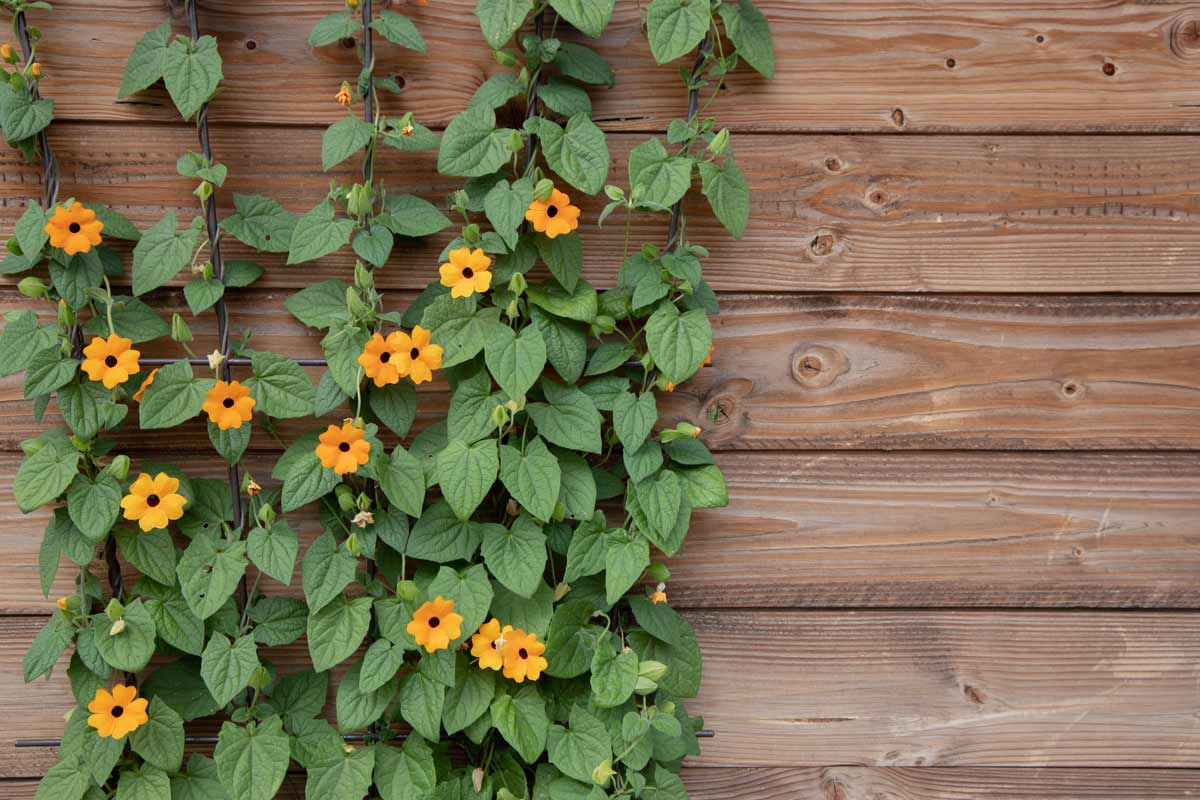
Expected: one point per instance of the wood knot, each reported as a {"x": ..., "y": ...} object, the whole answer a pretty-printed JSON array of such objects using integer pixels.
[
  {"x": 1184, "y": 37},
  {"x": 876, "y": 197},
  {"x": 898, "y": 117},
  {"x": 1071, "y": 389},
  {"x": 720, "y": 408},
  {"x": 815, "y": 366},
  {"x": 823, "y": 244},
  {"x": 833, "y": 164},
  {"x": 974, "y": 695},
  {"x": 1109, "y": 68},
  {"x": 832, "y": 790}
]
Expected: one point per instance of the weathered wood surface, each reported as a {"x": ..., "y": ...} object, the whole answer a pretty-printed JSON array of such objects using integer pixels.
[
  {"x": 869, "y": 371},
  {"x": 865, "y": 65},
  {"x": 869, "y": 530},
  {"x": 884, "y": 783},
  {"x": 843, "y": 213},
  {"x": 881, "y": 688}
]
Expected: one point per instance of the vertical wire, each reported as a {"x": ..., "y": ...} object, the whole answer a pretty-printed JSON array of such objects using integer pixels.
[{"x": 693, "y": 110}]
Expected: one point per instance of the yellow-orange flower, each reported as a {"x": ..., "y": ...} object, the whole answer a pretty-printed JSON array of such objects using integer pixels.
[
  {"x": 659, "y": 595},
  {"x": 116, "y": 714},
  {"x": 670, "y": 386},
  {"x": 75, "y": 230},
  {"x": 343, "y": 448},
  {"x": 416, "y": 356},
  {"x": 153, "y": 501},
  {"x": 343, "y": 96},
  {"x": 141, "y": 392},
  {"x": 488, "y": 644},
  {"x": 35, "y": 69},
  {"x": 434, "y": 625},
  {"x": 6, "y": 51},
  {"x": 467, "y": 272},
  {"x": 229, "y": 405},
  {"x": 379, "y": 358},
  {"x": 523, "y": 656},
  {"x": 554, "y": 216},
  {"x": 110, "y": 361},
  {"x": 61, "y": 603},
  {"x": 708, "y": 358}
]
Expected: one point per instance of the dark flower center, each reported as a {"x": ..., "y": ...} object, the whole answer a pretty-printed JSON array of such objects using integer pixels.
[
  {"x": 385, "y": 357},
  {"x": 117, "y": 711},
  {"x": 227, "y": 402},
  {"x": 552, "y": 211},
  {"x": 468, "y": 272},
  {"x": 344, "y": 447},
  {"x": 414, "y": 353},
  {"x": 152, "y": 500},
  {"x": 434, "y": 622},
  {"x": 73, "y": 227},
  {"x": 110, "y": 361},
  {"x": 523, "y": 653}
]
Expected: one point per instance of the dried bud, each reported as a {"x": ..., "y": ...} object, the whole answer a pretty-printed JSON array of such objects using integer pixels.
[
  {"x": 253, "y": 489},
  {"x": 363, "y": 518},
  {"x": 117, "y": 628},
  {"x": 561, "y": 591},
  {"x": 477, "y": 779}
]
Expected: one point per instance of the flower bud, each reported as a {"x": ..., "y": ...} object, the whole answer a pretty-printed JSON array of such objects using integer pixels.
[
  {"x": 517, "y": 284},
  {"x": 204, "y": 191},
  {"x": 658, "y": 572},
  {"x": 361, "y": 200},
  {"x": 352, "y": 4},
  {"x": 650, "y": 252},
  {"x": 355, "y": 304},
  {"x": 615, "y": 193},
  {"x": 35, "y": 69},
  {"x": 516, "y": 142},
  {"x": 407, "y": 590},
  {"x": 180, "y": 331},
  {"x": 561, "y": 591},
  {"x": 117, "y": 628},
  {"x": 512, "y": 310},
  {"x": 603, "y": 773},
  {"x": 543, "y": 189},
  {"x": 560, "y": 512},
  {"x": 645, "y": 686},
  {"x": 471, "y": 233},
  {"x": 119, "y": 468},
  {"x": 114, "y": 610},
  {"x": 719, "y": 142},
  {"x": 499, "y": 416},
  {"x": 505, "y": 58},
  {"x": 259, "y": 679},
  {"x": 352, "y": 545},
  {"x": 363, "y": 518},
  {"x": 652, "y": 670},
  {"x": 32, "y": 286},
  {"x": 266, "y": 514},
  {"x": 603, "y": 325},
  {"x": 31, "y": 446},
  {"x": 345, "y": 497},
  {"x": 215, "y": 360},
  {"x": 477, "y": 779},
  {"x": 6, "y": 53},
  {"x": 66, "y": 315},
  {"x": 363, "y": 279},
  {"x": 13, "y": 247},
  {"x": 61, "y": 603}
]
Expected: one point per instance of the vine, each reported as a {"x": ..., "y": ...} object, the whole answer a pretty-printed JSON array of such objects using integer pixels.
[{"x": 489, "y": 585}]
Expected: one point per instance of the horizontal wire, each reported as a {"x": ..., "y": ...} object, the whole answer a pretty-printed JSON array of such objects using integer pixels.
[{"x": 348, "y": 737}]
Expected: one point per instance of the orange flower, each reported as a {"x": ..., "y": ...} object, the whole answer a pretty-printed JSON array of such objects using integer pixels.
[
  {"x": 659, "y": 595},
  {"x": 379, "y": 358},
  {"x": 708, "y": 358},
  {"x": 153, "y": 502},
  {"x": 141, "y": 392},
  {"x": 61, "y": 603},
  {"x": 523, "y": 656},
  {"x": 416, "y": 356},
  {"x": 35, "y": 69},
  {"x": 343, "y": 449},
  {"x": 554, "y": 216},
  {"x": 670, "y": 386},
  {"x": 343, "y": 96},
  {"x": 229, "y": 404},
  {"x": 6, "y": 51},
  {"x": 434, "y": 625},
  {"x": 119, "y": 713},
  {"x": 74, "y": 230},
  {"x": 110, "y": 361},
  {"x": 488, "y": 644},
  {"x": 467, "y": 272}
]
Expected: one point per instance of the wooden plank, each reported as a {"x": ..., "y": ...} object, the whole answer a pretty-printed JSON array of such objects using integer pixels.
[
  {"x": 866, "y": 372},
  {"x": 869, "y": 65},
  {"x": 858, "y": 783},
  {"x": 869, "y": 530},
  {"x": 841, "y": 213},
  {"x": 904, "y": 688}
]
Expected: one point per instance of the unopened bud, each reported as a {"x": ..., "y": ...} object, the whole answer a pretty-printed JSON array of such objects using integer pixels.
[
  {"x": 345, "y": 497},
  {"x": 517, "y": 284},
  {"x": 352, "y": 545},
  {"x": 512, "y": 310},
  {"x": 259, "y": 679},
  {"x": 407, "y": 590},
  {"x": 516, "y": 142},
  {"x": 66, "y": 315},
  {"x": 203, "y": 191},
  {"x": 119, "y": 468},
  {"x": 471, "y": 233},
  {"x": 603, "y": 773},
  {"x": 504, "y": 58},
  {"x": 114, "y": 610},
  {"x": 32, "y": 286},
  {"x": 266, "y": 514},
  {"x": 543, "y": 189},
  {"x": 499, "y": 416},
  {"x": 117, "y": 628},
  {"x": 719, "y": 142},
  {"x": 180, "y": 331},
  {"x": 477, "y": 779},
  {"x": 653, "y": 670},
  {"x": 513, "y": 508}
]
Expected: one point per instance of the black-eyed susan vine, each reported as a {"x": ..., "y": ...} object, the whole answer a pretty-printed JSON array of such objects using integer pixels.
[{"x": 488, "y": 592}]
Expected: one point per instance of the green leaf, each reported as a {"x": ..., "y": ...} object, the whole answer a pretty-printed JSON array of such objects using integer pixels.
[
  {"x": 522, "y": 721},
  {"x": 280, "y": 387},
  {"x": 532, "y": 614},
  {"x": 321, "y": 305},
  {"x": 705, "y": 487},
  {"x": 20, "y": 339},
  {"x": 673, "y": 643},
  {"x": 306, "y": 479},
  {"x": 470, "y": 696},
  {"x": 578, "y": 153},
  {"x": 751, "y": 35},
  {"x": 226, "y": 666},
  {"x": 380, "y": 664},
  {"x": 66, "y": 780},
  {"x": 230, "y": 444},
  {"x": 587, "y": 550},
  {"x": 373, "y": 246},
  {"x": 565, "y": 97},
  {"x": 578, "y": 749},
  {"x": 395, "y": 405},
  {"x": 505, "y": 206},
  {"x": 421, "y": 703},
  {"x": 497, "y": 90},
  {"x": 728, "y": 194},
  {"x": 51, "y": 642},
  {"x": 583, "y": 64},
  {"x": 325, "y": 570},
  {"x": 175, "y": 396},
  {"x": 175, "y": 622},
  {"x": 144, "y": 782},
  {"x": 45, "y": 475},
  {"x": 472, "y": 145},
  {"x": 516, "y": 360},
  {"x": 161, "y": 253},
  {"x": 566, "y": 344},
  {"x": 252, "y": 761},
  {"x": 160, "y": 739},
  {"x": 568, "y": 419},
  {"x": 318, "y": 233},
  {"x": 133, "y": 319},
  {"x": 209, "y": 571},
  {"x": 440, "y": 536},
  {"x": 357, "y": 707},
  {"x": 116, "y": 226},
  {"x": 676, "y": 26},
  {"x": 336, "y": 631},
  {"x": 146, "y": 61},
  {"x": 191, "y": 71},
  {"x": 406, "y": 773},
  {"x": 500, "y": 19},
  {"x": 532, "y": 477},
  {"x": 25, "y": 117},
  {"x": 199, "y": 782},
  {"x": 129, "y": 650},
  {"x": 409, "y": 215},
  {"x": 30, "y": 230},
  {"x": 202, "y": 294},
  {"x": 261, "y": 223},
  {"x": 180, "y": 686},
  {"x": 634, "y": 418},
  {"x": 463, "y": 337},
  {"x": 195, "y": 165},
  {"x": 273, "y": 550},
  {"x": 466, "y": 472},
  {"x": 625, "y": 559},
  {"x": 278, "y": 621},
  {"x": 343, "y": 345},
  {"x": 679, "y": 343},
  {"x": 589, "y": 16},
  {"x": 398, "y": 29},
  {"x": 471, "y": 406},
  {"x": 664, "y": 178},
  {"x": 344, "y": 776},
  {"x": 472, "y": 595},
  {"x": 300, "y": 695},
  {"x": 564, "y": 257},
  {"x": 517, "y": 557},
  {"x": 151, "y": 552},
  {"x": 343, "y": 139},
  {"x": 333, "y": 28},
  {"x": 403, "y": 482},
  {"x": 614, "y": 676},
  {"x": 571, "y": 640},
  {"x": 74, "y": 277},
  {"x": 47, "y": 371},
  {"x": 579, "y": 304}
]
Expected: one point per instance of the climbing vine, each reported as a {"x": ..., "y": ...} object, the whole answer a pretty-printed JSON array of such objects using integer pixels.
[{"x": 489, "y": 589}]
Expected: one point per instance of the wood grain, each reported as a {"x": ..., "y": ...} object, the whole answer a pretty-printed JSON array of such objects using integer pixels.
[
  {"x": 859, "y": 783},
  {"x": 839, "y": 213},
  {"x": 866, "y": 530},
  {"x": 865, "y": 372},
  {"x": 865, "y": 65},
  {"x": 880, "y": 688}
]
